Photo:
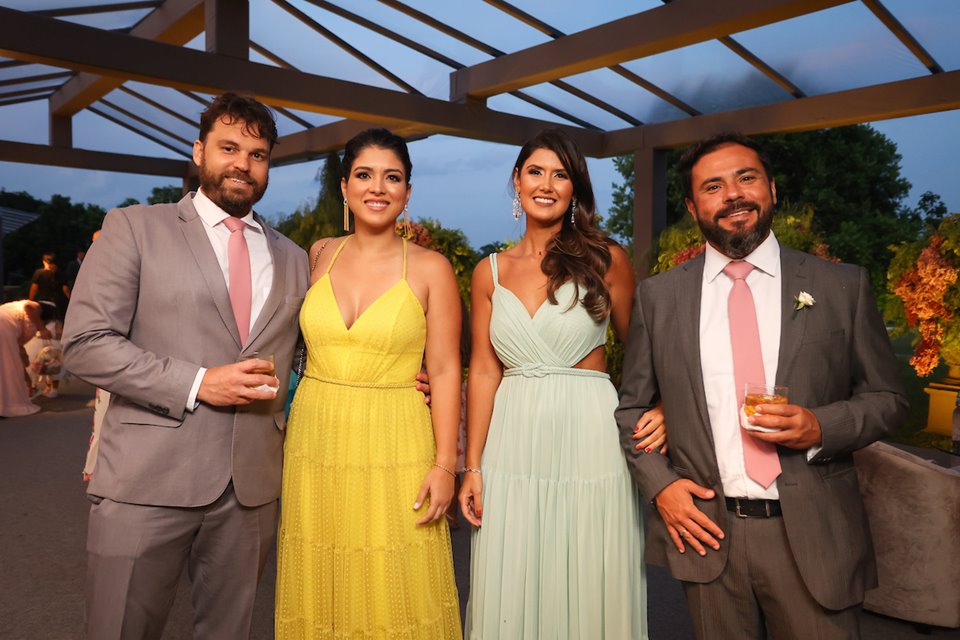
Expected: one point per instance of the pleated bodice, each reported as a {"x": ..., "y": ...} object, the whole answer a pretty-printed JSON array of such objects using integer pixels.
[
  {"x": 383, "y": 347},
  {"x": 557, "y": 335}
]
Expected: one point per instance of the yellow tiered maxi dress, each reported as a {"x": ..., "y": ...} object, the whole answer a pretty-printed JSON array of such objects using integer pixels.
[{"x": 352, "y": 562}]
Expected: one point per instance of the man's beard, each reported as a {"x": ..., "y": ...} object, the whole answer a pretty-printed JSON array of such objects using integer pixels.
[
  {"x": 235, "y": 203},
  {"x": 739, "y": 242}
]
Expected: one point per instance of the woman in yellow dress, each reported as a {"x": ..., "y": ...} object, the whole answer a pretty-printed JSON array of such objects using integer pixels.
[{"x": 364, "y": 549}]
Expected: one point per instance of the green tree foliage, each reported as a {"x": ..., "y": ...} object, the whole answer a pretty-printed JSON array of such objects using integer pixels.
[
  {"x": 167, "y": 194},
  {"x": 453, "y": 244},
  {"x": 63, "y": 227},
  {"x": 849, "y": 175},
  {"x": 323, "y": 218}
]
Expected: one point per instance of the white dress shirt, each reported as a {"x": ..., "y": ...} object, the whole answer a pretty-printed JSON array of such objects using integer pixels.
[
  {"x": 716, "y": 356},
  {"x": 261, "y": 263}
]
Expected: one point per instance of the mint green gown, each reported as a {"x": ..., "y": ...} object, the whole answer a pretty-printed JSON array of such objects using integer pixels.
[{"x": 560, "y": 551}]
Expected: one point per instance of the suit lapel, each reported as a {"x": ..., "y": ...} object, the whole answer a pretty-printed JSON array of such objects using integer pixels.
[
  {"x": 275, "y": 297},
  {"x": 688, "y": 319},
  {"x": 792, "y": 324},
  {"x": 199, "y": 243}
]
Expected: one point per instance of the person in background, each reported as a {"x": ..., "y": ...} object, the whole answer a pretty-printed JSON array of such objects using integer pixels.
[
  {"x": 48, "y": 284},
  {"x": 20, "y": 321},
  {"x": 73, "y": 268}
]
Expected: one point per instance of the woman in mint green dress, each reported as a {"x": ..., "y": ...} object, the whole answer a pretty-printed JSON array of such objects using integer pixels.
[{"x": 559, "y": 554}]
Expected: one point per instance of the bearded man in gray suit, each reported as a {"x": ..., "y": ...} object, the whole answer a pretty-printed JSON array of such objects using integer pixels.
[
  {"x": 782, "y": 546},
  {"x": 164, "y": 312}
]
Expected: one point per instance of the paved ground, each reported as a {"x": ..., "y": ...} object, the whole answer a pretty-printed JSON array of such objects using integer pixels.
[{"x": 43, "y": 531}]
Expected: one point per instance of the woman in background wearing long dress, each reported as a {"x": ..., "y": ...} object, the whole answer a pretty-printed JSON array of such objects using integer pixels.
[
  {"x": 559, "y": 554},
  {"x": 19, "y": 322},
  {"x": 364, "y": 549}
]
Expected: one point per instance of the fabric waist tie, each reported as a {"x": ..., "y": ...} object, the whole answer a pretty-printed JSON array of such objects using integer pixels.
[
  {"x": 363, "y": 385},
  {"x": 542, "y": 370}
]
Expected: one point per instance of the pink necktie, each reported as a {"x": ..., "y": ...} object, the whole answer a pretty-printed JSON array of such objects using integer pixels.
[
  {"x": 760, "y": 458},
  {"x": 238, "y": 259}
]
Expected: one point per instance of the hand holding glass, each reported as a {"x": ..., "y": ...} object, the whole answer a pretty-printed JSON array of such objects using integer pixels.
[
  {"x": 267, "y": 371},
  {"x": 757, "y": 394}
]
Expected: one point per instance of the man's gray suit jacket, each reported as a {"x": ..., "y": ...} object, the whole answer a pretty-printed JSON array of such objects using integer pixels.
[
  {"x": 836, "y": 359},
  {"x": 151, "y": 307}
]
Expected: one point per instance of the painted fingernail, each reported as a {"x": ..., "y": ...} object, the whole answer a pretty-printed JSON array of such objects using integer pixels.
[
  {"x": 416, "y": 505},
  {"x": 647, "y": 450}
]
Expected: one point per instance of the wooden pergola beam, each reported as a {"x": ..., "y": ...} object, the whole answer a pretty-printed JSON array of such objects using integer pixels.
[
  {"x": 73, "y": 46},
  {"x": 96, "y": 9},
  {"x": 678, "y": 24},
  {"x": 175, "y": 22},
  {"x": 916, "y": 96},
  {"x": 94, "y": 160},
  {"x": 319, "y": 141}
]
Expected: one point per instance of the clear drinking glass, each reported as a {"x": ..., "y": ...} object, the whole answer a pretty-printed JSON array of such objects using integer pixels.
[{"x": 756, "y": 394}]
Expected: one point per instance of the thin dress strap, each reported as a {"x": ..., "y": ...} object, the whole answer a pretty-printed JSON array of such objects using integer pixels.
[
  {"x": 403, "y": 275},
  {"x": 493, "y": 269},
  {"x": 336, "y": 254}
]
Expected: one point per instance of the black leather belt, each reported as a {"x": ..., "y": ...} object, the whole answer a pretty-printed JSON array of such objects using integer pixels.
[{"x": 745, "y": 508}]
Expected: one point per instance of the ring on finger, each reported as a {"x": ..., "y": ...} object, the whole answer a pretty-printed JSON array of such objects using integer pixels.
[{"x": 683, "y": 533}]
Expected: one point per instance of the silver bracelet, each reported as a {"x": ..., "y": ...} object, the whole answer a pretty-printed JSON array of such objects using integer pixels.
[
  {"x": 440, "y": 466},
  {"x": 468, "y": 470}
]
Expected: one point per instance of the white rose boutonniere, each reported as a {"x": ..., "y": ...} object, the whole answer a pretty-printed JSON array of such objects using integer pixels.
[{"x": 803, "y": 300}]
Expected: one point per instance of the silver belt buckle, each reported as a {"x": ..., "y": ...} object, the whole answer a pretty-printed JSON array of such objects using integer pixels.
[{"x": 737, "y": 511}]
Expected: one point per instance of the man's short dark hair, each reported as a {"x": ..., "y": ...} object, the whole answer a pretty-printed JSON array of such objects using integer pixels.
[
  {"x": 699, "y": 149},
  {"x": 257, "y": 119}
]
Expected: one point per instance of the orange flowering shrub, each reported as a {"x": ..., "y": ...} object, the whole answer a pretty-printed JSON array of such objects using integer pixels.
[
  {"x": 419, "y": 234},
  {"x": 923, "y": 276}
]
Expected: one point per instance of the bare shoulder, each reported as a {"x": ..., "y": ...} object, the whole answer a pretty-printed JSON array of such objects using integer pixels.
[
  {"x": 427, "y": 261},
  {"x": 318, "y": 246},
  {"x": 321, "y": 250},
  {"x": 620, "y": 264},
  {"x": 618, "y": 257},
  {"x": 482, "y": 273}
]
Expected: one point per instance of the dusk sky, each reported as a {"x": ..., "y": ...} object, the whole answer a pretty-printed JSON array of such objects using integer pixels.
[{"x": 464, "y": 183}]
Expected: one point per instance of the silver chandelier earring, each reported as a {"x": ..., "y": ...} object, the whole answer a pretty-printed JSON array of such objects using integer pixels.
[
  {"x": 573, "y": 211},
  {"x": 517, "y": 209}
]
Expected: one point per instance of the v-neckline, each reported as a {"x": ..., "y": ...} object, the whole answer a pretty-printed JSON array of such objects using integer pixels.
[
  {"x": 517, "y": 298},
  {"x": 360, "y": 315}
]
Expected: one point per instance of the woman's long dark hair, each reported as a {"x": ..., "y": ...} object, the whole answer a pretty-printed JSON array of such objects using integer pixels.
[{"x": 579, "y": 251}]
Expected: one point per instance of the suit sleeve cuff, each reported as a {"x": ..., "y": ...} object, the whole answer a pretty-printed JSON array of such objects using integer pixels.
[
  {"x": 813, "y": 452},
  {"x": 192, "y": 403}
]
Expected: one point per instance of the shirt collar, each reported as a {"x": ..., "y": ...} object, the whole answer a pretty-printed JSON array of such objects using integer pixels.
[
  {"x": 213, "y": 215},
  {"x": 766, "y": 258}
]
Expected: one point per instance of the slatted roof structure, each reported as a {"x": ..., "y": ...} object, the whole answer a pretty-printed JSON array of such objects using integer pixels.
[{"x": 621, "y": 76}]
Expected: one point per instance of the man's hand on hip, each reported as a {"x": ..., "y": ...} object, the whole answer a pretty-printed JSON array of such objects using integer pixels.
[
  {"x": 234, "y": 384},
  {"x": 685, "y": 522}
]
